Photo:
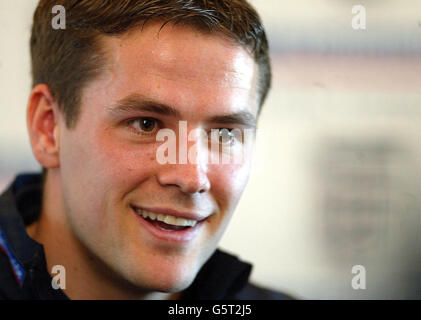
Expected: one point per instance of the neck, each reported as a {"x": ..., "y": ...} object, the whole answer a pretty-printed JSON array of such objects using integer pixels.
[{"x": 86, "y": 276}]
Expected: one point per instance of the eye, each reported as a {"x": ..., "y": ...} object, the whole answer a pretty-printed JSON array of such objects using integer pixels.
[
  {"x": 143, "y": 125},
  {"x": 225, "y": 136}
]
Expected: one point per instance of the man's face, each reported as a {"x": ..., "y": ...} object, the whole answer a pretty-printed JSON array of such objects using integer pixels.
[{"x": 109, "y": 166}]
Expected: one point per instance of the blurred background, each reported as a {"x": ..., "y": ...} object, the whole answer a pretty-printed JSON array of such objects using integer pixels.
[{"x": 339, "y": 162}]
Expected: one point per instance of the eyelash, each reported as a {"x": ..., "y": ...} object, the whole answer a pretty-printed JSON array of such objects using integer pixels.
[{"x": 157, "y": 124}]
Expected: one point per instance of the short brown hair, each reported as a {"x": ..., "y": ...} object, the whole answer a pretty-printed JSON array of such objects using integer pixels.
[{"x": 67, "y": 59}]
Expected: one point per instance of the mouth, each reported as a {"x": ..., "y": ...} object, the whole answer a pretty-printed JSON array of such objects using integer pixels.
[{"x": 169, "y": 227}]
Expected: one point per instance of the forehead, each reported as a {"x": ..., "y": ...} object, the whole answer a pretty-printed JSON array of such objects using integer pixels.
[{"x": 182, "y": 67}]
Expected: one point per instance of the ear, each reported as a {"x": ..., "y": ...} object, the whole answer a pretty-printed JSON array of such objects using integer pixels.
[{"x": 43, "y": 126}]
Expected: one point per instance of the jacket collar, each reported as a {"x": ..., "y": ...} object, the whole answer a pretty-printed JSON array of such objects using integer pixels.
[{"x": 22, "y": 194}]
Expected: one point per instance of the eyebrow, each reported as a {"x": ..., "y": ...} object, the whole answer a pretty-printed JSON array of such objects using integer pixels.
[
  {"x": 244, "y": 118},
  {"x": 137, "y": 102}
]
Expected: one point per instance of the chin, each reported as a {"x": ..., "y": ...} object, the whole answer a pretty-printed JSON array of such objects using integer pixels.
[
  {"x": 176, "y": 286},
  {"x": 163, "y": 277},
  {"x": 170, "y": 283}
]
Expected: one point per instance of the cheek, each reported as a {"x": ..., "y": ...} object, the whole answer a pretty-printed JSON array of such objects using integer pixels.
[
  {"x": 97, "y": 175},
  {"x": 228, "y": 183},
  {"x": 98, "y": 169},
  {"x": 122, "y": 163}
]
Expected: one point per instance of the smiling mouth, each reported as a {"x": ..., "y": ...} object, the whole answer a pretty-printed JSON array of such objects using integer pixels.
[{"x": 165, "y": 222}]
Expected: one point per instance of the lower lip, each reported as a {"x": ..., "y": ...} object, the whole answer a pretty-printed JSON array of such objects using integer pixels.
[{"x": 181, "y": 236}]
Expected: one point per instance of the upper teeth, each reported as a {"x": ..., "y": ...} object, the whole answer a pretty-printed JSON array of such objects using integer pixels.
[{"x": 166, "y": 218}]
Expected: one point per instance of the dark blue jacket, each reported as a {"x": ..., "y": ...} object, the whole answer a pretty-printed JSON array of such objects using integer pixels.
[{"x": 24, "y": 275}]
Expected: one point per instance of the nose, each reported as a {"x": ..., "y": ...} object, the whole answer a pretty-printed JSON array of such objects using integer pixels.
[
  {"x": 190, "y": 175},
  {"x": 190, "y": 178}
]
